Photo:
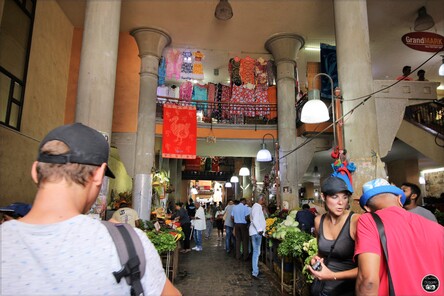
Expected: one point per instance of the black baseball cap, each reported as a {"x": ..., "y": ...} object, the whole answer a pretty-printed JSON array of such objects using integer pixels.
[
  {"x": 86, "y": 146},
  {"x": 333, "y": 185}
]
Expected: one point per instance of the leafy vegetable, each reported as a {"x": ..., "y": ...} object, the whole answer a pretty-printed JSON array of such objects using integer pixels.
[{"x": 162, "y": 241}]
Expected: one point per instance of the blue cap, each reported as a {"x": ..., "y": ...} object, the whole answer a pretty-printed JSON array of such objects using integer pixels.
[{"x": 378, "y": 186}]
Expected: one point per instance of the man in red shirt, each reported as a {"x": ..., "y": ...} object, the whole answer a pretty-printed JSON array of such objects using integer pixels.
[{"x": 415, "y": 246}]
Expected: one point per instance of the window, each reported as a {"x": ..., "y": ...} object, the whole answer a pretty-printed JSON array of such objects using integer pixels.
[{"x": 16, "y": 22}]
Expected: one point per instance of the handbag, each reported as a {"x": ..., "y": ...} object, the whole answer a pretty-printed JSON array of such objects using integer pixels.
[
  {"x": 383, "y": 240},
  {"x": 318, "y": 286}
]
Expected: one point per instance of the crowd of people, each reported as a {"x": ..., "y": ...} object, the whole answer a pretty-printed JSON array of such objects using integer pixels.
[{"x": 394, "y": 247}]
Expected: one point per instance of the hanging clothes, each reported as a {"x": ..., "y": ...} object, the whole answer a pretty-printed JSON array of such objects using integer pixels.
[
  {"x": 272, "y": 99},
  {"x": 161, "y": 72},
  {"x": 260, "y": 74},
  {"x": 271, "y": 72},
  {"x": 198, "y": 73},
  {"x": 200, "y": 94},
  {"x": 262, "y": 107},
  {"x": 234, "y": 68},
  {"x": 186, "y": 91},
  {"x": 212, "y": 110},
  {"x": 246, "y": 72},
  {"x": 187, "y": 65},
  {"x": 173, "y": 64},
  {"x": 242, "y": 100},
  {"x": 225, "y": 98}
]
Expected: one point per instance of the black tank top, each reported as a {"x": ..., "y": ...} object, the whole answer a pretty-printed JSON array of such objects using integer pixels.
[{"x": 341, "y": 259}]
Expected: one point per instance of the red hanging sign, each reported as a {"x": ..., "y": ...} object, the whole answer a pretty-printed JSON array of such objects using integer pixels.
[
  {"x": 424, "y": 41},
  {"x": 179, "y": 139}
]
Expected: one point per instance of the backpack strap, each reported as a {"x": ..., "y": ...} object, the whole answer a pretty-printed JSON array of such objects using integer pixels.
[
  {"x": 131, "y": 255},
  {"x": 383, "y": 240}
]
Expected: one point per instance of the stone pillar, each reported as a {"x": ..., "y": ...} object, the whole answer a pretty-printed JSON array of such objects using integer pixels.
[
  {"x": 284, "y": 48},
  {"x": 98, "y": 62},
  {"x": 151, "y": 43},
  {"x": 356, "y": 80}
]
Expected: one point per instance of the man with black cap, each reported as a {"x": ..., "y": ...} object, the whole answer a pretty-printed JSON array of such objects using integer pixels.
[
  {"x": 415, "y": 246},
  {"x": 55, "y": 249}
]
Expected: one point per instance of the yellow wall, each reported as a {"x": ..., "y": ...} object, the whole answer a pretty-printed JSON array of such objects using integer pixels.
[{"x": 44, "y": 102}]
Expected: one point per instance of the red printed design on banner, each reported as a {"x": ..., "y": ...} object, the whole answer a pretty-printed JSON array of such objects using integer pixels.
[{"x": 179, "y": 132}]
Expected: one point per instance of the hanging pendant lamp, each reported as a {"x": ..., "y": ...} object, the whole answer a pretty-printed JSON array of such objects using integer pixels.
[{"x": 223, "y": 10}]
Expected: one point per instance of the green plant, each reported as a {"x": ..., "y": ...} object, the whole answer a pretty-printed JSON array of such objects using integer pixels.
[
  {"x": 311, "y": 249},
  {"x": 162, "y": 241},
  {"x": 293, "y": 244}
]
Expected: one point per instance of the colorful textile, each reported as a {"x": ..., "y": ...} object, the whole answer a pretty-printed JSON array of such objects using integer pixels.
[
  {"x": 260, "y": 74},
  {"x": 186, "y": 91},
  {"x": 187, "y": 65},
  {"x": 225, "y": 98},
  {"x": 242, "y": 101},
  {"x": 161, "y": 72},
  {"x": 211, "y": 98},
  {"x": 234, "y": 68},
  {"x": 261, "y": 102},
  {"x": 272, "y": 99},
  {"x": 197, "y": 66},
  {"x": 246, "y": 72},
  {"x": 200, "y": 94},
  {"x": 173, "y": 64},
  {"x": 179, "y": 132}
]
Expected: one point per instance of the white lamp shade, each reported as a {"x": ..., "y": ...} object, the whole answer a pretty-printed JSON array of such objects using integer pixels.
[
  {"x": 441, "y": 69},
  {"x": 314, "y": 111},
  {"x": 263, "y": 155},
  {"x": 244, "y": 171},
  {"x": 194, "y": 191},
  {"x": 228, "y": 185},
  {"x": 234, "y": 179}
]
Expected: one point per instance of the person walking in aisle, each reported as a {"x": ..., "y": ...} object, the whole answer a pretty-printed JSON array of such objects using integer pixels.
[
  {"x": 220, "y": 222},
  {"x": 56, "y": 249},
  {"x": 209, "y": 218},
  {"x": 229, "y": 227},
  {"x": 182, "y": 216},
  {"x": 199, "y": 226},
  {"x": 240, "y": 215},
  {"x": 415, "y": 246},
  {"x": 335, "y": 231},
  {"x": 412, "y": 194},
  {"x": 256, "y": 230}
]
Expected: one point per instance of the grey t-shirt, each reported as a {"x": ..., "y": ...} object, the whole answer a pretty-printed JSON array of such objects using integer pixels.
[
  {"x": 228, "y": 221},
  {"x": 424, "y": 212},
  {"x": 74, "y": 257}
]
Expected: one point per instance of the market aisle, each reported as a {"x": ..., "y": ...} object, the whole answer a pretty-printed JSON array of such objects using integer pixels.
[{"x": 213, "y": 272}]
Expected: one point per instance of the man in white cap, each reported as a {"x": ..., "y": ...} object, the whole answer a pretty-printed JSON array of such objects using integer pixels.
[{"x": 415, "y": 246}]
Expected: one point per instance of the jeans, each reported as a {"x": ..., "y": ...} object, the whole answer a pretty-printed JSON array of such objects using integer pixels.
[
  {"x": 256, "y": 240},
  {"x": 198, "y": 238},
  {"x": 228, "y": 238}
]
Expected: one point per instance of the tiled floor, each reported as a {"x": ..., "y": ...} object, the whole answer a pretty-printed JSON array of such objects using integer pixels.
[{"x": 213, "y": 272}]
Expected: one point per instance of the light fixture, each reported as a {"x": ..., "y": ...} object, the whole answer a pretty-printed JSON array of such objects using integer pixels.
[
  {"x": 223, "y": 10},
  {"x": 315, "y": 111},
  {"x": 228, "y": 185},
  {"x": 441, "y": 68},
  {"x": 194, "y": 191},
  {"x": 264, "y": 155},
  {"x": 244, "y": 171},
  {"x": 234, "y": 179},
  {"x": 424, "y": 21},
  {"x": 316, "y": 173}
]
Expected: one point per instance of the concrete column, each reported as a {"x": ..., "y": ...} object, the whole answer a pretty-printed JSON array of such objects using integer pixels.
[
  {"x": 98, "y": 62},
  {"x": 284, "y": 48},
  {"x": 355, "y": 79},
  {"x": 151, "y": 43}
]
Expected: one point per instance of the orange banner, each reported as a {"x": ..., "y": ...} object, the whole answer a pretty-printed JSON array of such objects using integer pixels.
[{"x": 179, "y": 139}]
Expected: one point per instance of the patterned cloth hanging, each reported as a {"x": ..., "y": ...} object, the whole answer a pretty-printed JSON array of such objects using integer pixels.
[
  {"x": 198, "y": 73},
  {"x": 173, "y": 64},
  {"x": 187, "y": 65},
  {"x": 161, "y": 72}
]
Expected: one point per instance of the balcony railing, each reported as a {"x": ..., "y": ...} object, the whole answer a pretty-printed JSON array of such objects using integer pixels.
[
  {"x": 224, "y": 112},
  {"x": 429, "y": 116}
]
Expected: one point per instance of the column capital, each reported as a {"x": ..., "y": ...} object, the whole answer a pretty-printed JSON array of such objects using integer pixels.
[
  {"x": 151, "y": 41},
  {"x": 284, "y": 46}
]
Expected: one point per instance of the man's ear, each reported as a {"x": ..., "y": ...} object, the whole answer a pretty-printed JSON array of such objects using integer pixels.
[
  {"x": 399, "y": 200},
  {"x": 34, "y": 172},
  {"x": 98, "y": 175},
  {"x": 413, "y": 196}
]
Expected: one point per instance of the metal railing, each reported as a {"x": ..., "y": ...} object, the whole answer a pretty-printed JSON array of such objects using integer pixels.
[
  {"x": 428, "y": 116},
  {"x": 225, "y": 112}
]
